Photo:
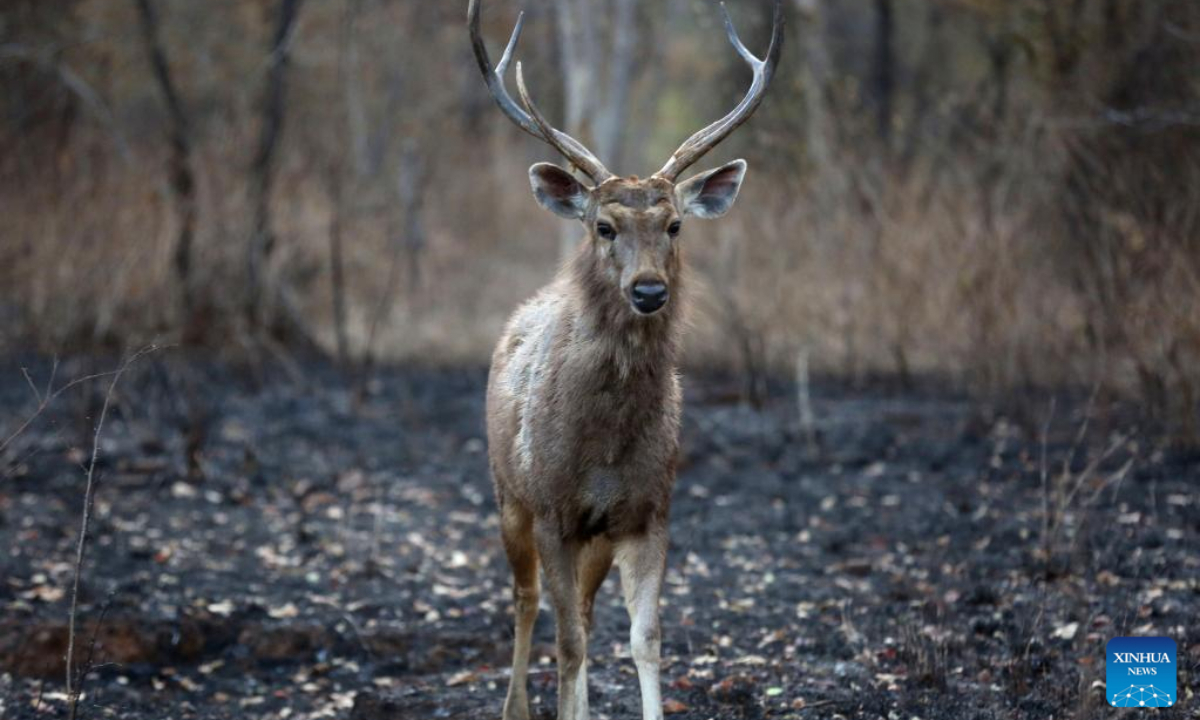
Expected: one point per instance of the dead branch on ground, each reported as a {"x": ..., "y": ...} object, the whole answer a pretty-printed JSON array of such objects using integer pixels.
[{"x": 73, "y": 688}]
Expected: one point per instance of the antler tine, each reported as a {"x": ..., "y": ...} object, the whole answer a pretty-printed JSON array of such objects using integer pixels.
[
  {"x": 572, "y": 149},
  {"x": 509, "y": 49},
  {"x": 494, "y": 77},
  {"x": 710, "y": 136},
  {"x": 736, "y": 41}
]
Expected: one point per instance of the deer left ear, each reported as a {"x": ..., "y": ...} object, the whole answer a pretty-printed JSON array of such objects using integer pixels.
[{"x": 711, "y": 194}]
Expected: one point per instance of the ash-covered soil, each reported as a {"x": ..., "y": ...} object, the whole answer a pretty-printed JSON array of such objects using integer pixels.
[{"x": 337, "y": 556}]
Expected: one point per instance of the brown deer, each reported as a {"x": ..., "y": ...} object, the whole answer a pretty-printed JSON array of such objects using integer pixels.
[{"x": 583, "y": 399}]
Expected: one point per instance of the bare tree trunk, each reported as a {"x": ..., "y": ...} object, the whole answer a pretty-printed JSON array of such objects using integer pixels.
[
  {"x": 1114, "y": 24},
  {"x": 819, "y": 129},
  {"x": 409, "y": 241},
  {"x": 883, "y": 73},
  {"x": 928, "y": 67},
  {"x": 611, "y": 114},
  {"x": 262, "y": 241},
  {"x": 354, "y": 130},
  {"x": 577, "y": 51},
  {"x": 182, "y": 176},
  {"x": 1061, "y": 20},
  {"x": 808, "y": 424},
  {"x": 337, "y": 273},
  {"x": 578, "y": 48},
  {"x": 356, "y": 114},
  {"x": 746, "y": 332},
  {"x": 409, "y": 178},
  {"x": 1000, "y": 54},
  {"x": 596, "y": 105}
]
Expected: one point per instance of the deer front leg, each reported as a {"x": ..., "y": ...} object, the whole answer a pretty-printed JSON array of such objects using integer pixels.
[
  {"x": 642, "y": 561},
  {"x": 517, "y": 530},
  {"x": 559, "y": 562}
]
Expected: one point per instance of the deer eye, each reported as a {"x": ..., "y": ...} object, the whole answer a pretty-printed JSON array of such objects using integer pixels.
[
  {"x": 606, "y": 231},
  {"x": 673, "y": 228}
]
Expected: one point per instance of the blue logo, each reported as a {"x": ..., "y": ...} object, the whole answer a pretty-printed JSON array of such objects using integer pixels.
[{"x": 1140, "y": 672}]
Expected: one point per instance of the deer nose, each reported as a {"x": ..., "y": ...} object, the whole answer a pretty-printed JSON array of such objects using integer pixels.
[{"x": 649, "y": 296}]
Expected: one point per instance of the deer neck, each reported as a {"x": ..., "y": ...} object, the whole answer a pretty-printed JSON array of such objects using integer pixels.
[{"x": 631, "y": 345}]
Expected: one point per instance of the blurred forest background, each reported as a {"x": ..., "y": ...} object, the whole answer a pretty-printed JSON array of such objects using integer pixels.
[{"x": 1003, "y": 193}]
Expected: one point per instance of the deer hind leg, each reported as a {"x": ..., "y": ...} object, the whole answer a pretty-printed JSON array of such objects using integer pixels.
[
  {"x": 560, "y": 562},
  {"x": 642, "y": 561},
  {"x": 516, "y": 528}
]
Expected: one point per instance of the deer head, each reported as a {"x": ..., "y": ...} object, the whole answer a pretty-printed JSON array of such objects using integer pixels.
[{"x": 633, "y": 225}]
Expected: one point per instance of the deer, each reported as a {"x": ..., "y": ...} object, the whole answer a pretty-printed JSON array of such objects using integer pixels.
[{"x": 583, "y": 395}]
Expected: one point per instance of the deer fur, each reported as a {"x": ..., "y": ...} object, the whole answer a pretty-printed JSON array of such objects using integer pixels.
[{"x": 583, "y": 387}]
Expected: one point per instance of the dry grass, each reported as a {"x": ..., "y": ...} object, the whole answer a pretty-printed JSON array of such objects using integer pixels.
[
  {"x": 986, "y": 260},
  {"x": 929, "y": 273}
]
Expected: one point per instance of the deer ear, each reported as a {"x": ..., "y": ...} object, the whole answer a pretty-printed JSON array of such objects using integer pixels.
[
  {"x": 711, "y": 194},
  {"x": 558, "y": 191}
]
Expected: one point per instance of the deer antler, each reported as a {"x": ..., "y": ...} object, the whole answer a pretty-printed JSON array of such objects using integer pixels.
[
  {"x": 571, "y": 149},
  {"x": 706, "y": 139}
]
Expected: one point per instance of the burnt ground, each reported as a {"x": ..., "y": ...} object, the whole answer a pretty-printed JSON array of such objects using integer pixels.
[{"x": 341, "y": 559}]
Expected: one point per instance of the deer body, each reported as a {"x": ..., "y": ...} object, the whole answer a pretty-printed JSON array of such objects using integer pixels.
[
  {"x": 583, "y": 399},
  {"x": 583, "y": 415}
]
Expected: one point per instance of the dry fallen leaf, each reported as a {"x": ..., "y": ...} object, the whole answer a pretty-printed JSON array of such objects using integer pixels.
[
  {"x": 287, "y": 610},
  {"x": 45, "y": 593},
  {"x": 461, "y": 678},
  {"x": 673, "y": 707},
  {"x": 1067, "y": 632}
]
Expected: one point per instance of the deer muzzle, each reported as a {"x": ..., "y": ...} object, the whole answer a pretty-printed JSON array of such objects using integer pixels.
[{"x": 649, "y": 295}]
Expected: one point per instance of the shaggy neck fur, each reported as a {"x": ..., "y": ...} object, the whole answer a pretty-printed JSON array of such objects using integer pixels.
[{"x": 634, "y": 344}]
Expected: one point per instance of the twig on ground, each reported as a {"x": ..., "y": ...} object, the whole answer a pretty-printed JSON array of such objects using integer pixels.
[
  {"x": 88, "y": 496},
  {"x": 89, "y": 664},
  {"x": 29, "y": 380},
  {"x": 349, "y": 618},
  {"x": 808, "y": 423},
  {"x": 41, "y": 691},
  {"x": 48, "y": 396},
  {"x": 1044, "y": 474},
  {"x": 1064, "y": 493}
]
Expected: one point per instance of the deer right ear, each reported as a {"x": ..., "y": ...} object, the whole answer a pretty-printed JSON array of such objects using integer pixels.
[{"x": 558, "y": 191}]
